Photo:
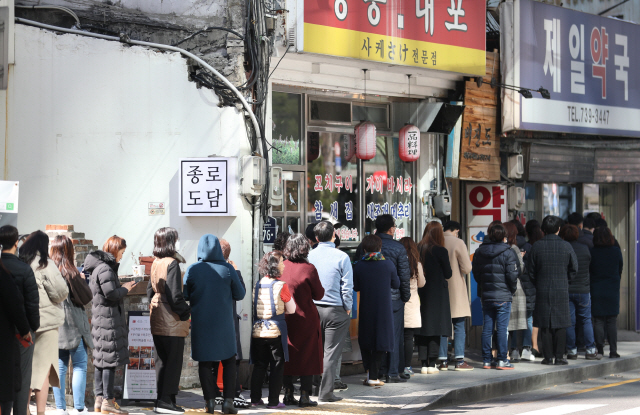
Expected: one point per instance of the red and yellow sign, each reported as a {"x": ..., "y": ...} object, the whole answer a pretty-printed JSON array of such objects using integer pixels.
[{"x": 447, "y": 35}]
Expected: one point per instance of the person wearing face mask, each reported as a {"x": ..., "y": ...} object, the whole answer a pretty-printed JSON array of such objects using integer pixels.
[{"x": 108, "y": 324}]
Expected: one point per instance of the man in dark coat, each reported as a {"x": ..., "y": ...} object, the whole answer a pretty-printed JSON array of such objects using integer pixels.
[
  {"x": 586, "y": 233},
  {"x": 12, "y": 319},
  {"x": 551, "y": 265},
  {"x": 28, "y": 289},
  {"x": 394, "y": 251}
]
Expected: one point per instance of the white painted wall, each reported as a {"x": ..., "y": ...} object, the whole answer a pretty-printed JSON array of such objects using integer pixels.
[{"x": 94, "y": 133}]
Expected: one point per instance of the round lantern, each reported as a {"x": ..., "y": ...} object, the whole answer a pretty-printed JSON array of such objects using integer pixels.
[
  {"x": 365, "y": 140},
  {"x": 349, "y": 146},
  {"x": 409, "y": 143}
]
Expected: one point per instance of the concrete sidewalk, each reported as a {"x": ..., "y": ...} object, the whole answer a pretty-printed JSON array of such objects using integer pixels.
[
  {"x": 445, "y": 388},
  {"x": 439, "y": 390}
]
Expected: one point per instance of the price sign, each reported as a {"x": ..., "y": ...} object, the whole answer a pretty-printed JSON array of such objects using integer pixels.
[{"x": 269, "y": 231}]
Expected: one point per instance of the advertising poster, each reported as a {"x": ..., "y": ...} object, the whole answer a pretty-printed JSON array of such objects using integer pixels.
[{"x": 140, "y": 373}]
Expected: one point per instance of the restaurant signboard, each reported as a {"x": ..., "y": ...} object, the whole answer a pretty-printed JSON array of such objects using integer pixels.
[{"x": 446, "y": 35}]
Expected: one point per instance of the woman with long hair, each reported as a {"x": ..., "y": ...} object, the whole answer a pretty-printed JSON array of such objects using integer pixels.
[
  {"x": 303, "y": 326},
  {"x": 412, "y": 318},
  {"x": 52, "y": 289},
  {"x": 605, "y": 272},
  {"x": 108, "y": 321},
  {"x": 518, "y": 316},
  {"x": 74, "y": 336},
  {"x": 534, "y": 234},
  {"x": 169, "y": 318},
  {"x": 435, "y": 310}
]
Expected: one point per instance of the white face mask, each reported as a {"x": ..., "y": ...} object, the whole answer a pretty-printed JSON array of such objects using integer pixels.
[{"x": 178, "y": 245}]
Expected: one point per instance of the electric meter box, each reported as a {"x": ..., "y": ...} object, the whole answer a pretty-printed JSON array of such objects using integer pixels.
[
  {"x": 442, "y": 205},
  {"x": 254, "y": 175},
  {"x": 276, "y": 186}
]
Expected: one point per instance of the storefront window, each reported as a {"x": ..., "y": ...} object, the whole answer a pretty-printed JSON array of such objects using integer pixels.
[
  {"x": 559, "y": 200},
  {"x": 388, "y": 187},
  {"x": 287, "y": 128},
  {"x": 332, "y": 184}
]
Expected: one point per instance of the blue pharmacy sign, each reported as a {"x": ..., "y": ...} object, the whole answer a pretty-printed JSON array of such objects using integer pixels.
[{"x": 588, "y": 63}]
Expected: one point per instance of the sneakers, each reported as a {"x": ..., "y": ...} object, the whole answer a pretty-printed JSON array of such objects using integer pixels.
[
  {"x": 241, "y": 403},
  {"x": 370, "y": 382},
  {"x": 461, "y": 365},
  {"x": 330, "y": 398},
  {"x": 85, "y": 411},
  {"x": 515, "y": 356},
  {"x": 280, "y": 405},
  {"x": 219, "y": 400},
  {"x": 572, "y": 356},
  {"x": 408, "y": 371},
  {"x": 98, "y": 405},
  {"x": 424, "y": 370},
  {"x": 561, "y": 362},
  {"x": 444, "y": 365},
  {"x": 111, "y": 407},
  {"x": 593, "y": 356},
  {"x": 527, "y": 355},
  {"x": 504, "y": 365},
  {"x": 167, "y": 408},
  {"x": 396, "y": 379},
  {"x": 61, "y": 412},
  {"x": 339, "y": 386},
  {"x": 488, "y": 365},
  {"x": 432, "y": 370}
]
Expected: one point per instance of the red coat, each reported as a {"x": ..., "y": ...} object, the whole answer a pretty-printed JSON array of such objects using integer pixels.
[{"x": 305, "y": 337}]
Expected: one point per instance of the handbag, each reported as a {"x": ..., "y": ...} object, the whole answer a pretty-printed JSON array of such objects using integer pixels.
[{"x": 79, "y": 291}]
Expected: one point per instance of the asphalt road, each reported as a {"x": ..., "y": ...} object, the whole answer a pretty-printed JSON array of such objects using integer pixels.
[{"x": 617, "y": 394}]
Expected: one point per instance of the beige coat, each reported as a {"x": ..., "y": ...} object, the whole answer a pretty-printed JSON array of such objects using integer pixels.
[
  {"x": 53, "y": 290},
  {"x": 412, "y": 317},
  {"x": 460, "y": 266}
]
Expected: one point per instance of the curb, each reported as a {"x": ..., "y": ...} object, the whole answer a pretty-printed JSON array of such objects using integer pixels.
[{"x": 483, "y": 392}]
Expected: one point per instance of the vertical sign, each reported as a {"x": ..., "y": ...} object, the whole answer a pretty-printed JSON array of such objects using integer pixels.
[
  {"x": 140, "y": 373},
  {"x": 9, "y": 192},
  {"x": 480, "y": 141},
  {"x": 486, "y": 203},
  {"x": 208, "y": 186}
]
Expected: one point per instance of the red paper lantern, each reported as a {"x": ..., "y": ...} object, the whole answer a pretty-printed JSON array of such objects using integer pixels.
[
  {"x": 349, "y": 146},
  {"x": 409, "y": 143},
  {"x": 365, "y": 140},
  {"x": 382, "y": 175}
]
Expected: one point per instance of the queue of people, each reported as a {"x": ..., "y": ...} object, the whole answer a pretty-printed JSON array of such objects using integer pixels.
[{"x": 547, "y": 290}]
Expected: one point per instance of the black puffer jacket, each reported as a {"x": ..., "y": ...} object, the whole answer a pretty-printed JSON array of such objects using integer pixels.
[
  {"x": 394, "y": 251},
  {"x": 581, "y": 284},
  {"x": 27, "y": 286},
  {"x": 586, "y": 238},
  {"x": 108, "y": 321},
  {"x": 495, "y": 269}
]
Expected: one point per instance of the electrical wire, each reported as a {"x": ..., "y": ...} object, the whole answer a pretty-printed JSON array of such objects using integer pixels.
[
  {"x": 46, "y": 6},
  {"x": 278, "y": 64},
  {"x": 208, "y": 29}
]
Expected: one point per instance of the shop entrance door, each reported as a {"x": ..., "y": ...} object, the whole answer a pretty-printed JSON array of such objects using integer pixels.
[{"x": 290, "y": 215}]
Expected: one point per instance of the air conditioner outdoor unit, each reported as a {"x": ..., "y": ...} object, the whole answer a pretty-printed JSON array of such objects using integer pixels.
[
  {"x": 517, "y": 198},
  {"x": 515, "y": 165}
]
